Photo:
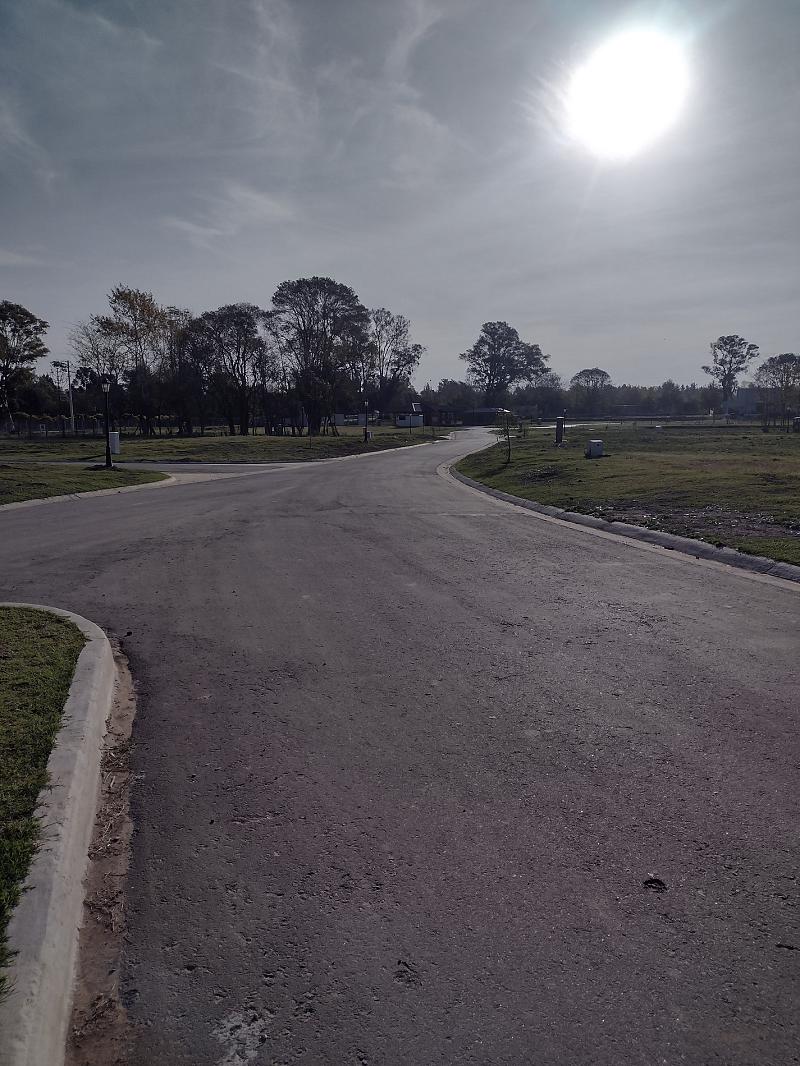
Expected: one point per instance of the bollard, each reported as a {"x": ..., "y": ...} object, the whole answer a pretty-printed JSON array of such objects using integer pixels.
[
  {"x": 594, "y": 450},
  {"x": 559, "y": 430}
]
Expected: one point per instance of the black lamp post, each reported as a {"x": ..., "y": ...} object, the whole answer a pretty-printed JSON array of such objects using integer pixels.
[
  {"x": 366, "y": 420},
  {"x": 106, "y": 386}
]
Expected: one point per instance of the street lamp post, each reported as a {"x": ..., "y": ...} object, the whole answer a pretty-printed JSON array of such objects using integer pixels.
[
  {"x": 366, "y": 420},
  {"x": 106, "y": 386}
]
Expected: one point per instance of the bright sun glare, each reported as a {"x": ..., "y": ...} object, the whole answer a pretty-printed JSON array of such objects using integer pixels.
[{"x": 627, "y": 93}]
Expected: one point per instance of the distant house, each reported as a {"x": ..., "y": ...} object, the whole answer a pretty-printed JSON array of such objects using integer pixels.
[
  {"x": 483, "y": 416},
  {"x": 355, "y": 418},
  {"x": 409, "y": 419},
  {"x": 440, "y": 416}
]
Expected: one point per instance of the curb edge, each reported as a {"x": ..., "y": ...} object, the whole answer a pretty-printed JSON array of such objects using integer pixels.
[
  {"x": 754, "y": 564},
  {"x": 168, "y": 479},
  {"x": 43, "y": 932}
]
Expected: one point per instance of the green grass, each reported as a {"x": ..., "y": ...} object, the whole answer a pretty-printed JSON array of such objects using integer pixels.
[
  {"x": 38, "y": 653},
  {"x": 740, "y": 488},
  {"x": 37, "y": 482},
  {"x": 218, "y": 449}
]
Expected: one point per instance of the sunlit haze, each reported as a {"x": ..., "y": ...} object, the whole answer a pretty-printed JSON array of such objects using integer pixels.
[{"x": 628, "y": 92}]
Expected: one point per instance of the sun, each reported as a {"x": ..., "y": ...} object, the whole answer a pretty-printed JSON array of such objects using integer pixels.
[{"x": 627, "y": 93}]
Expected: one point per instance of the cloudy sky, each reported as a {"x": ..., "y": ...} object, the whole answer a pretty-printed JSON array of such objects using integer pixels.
[{"x": 414, "y": 149}]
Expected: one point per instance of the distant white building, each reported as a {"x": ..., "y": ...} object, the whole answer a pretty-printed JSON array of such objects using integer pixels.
[
  {"x": 357, "y": 419},
  {"x": 411, "y": 418}
]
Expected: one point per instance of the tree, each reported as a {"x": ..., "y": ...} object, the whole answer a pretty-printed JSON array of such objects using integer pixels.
[
  {"x": 730, "y": 356},
  {"x": 456, "y": 395},
  {"x": 99, "y": 350},
  {"x": 499, "y": 359},
  {"x": 322, "y": 327},
  {"x": 21, "y": 345},
  {"x": 138, "y": 322},
  {"x": 505, "y": 425},
  {"x": 589, "y": 387},
  {"x": 237, "y": 343},
  {"x": 669, "y": 397},
  {"x": 393, "y": 357},
  {"x": 777, "y": 379},
  {"x": 137, "y": 329},
  {"x": 185, "y": 369},
  {"x": 545, "y": 398}
]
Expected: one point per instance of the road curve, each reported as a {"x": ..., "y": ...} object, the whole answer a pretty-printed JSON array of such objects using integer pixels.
[{"x": 423, "y": 779}]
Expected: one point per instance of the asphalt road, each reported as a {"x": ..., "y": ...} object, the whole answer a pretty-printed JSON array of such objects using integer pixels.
[{"x": 426, "y": 779}]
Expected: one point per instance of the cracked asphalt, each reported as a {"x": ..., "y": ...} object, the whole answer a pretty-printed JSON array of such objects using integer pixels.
[{"x": 422, "y": 778}]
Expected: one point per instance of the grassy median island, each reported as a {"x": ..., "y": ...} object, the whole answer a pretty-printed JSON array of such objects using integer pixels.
[
  {"x": 734, "y": 487},
  {"x": 38, "y": 653},
  {"x": 36, "y": 481},
  {"x": 222, "y": 449}
]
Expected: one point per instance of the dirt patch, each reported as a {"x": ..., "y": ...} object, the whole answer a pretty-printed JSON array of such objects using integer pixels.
[
  {"x": 99, "y": 1033},
  {"x": 706, "y": 522},
  {"x": 548, "y": 472}
]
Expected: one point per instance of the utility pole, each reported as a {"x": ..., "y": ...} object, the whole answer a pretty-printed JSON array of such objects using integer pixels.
[
  {"x": 64, "y": 365},
  {"x": 71, "y": 404},
  {"x": 58, "y": 367}
]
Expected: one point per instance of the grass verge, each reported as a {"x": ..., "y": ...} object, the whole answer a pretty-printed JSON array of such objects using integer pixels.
[
  {"x": 37, "y": 482},
  {"x": 735, "y": 488},
  {"x": 217, "y": 449},
  {"x": 38, "y": 653}
]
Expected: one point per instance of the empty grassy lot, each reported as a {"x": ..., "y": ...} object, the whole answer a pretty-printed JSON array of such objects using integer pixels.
[
  {"x": 737, "y": 487},
  {"x": 218, "y": 449},
  {"x": 38, "y": 653},
  {"x": 36, "y": 481}
]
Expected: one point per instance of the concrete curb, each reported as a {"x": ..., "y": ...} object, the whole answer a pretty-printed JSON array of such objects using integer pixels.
[
  {"x": 755, "y": 564},
  {"x": 168, "y": 479},
  {"x": 43, "y": 931}
]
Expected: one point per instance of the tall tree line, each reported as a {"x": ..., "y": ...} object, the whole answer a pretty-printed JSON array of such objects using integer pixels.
[
  {"x": 318, "y": 350},
  {"x": 315, "y": 351}
]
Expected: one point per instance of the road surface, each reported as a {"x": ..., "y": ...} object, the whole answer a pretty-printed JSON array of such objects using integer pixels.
[{"x": 425, "y": 779}]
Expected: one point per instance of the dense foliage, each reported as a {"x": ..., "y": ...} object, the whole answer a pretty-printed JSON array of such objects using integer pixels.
[
  {"x": 316, "y": 352},
  {"x": 290, "y": 368}
]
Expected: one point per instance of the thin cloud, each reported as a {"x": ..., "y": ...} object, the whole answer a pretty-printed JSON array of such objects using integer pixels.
[
  {"x": 420, "y": 16},
  {"x": 14, "y": 259},
  {"x": 239, "y": 207},
  {"x": 18, "y": 148}
]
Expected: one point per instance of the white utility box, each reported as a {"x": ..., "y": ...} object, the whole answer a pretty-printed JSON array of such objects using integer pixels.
[
  {"x": 595, "y": 450},
  {"x": 114, "y": 442}
]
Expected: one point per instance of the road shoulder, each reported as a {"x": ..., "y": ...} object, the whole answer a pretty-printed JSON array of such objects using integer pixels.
[{"x": 698, "y": 549}]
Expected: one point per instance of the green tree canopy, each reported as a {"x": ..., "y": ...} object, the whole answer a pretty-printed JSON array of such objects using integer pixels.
[
  {"x": 21, "y": 345},
  {"x": 499, "y": 359},
  {"x": 392, "y": 355},
  {"x": 780, "y": 375},
  {"x": 730, "y": 356},
  {"x": 589, "y": 387},
  {"x": 322, "y": 327}
]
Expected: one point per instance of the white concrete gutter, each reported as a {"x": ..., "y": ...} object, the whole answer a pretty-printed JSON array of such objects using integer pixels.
[{"x": 34, "y": 1016}]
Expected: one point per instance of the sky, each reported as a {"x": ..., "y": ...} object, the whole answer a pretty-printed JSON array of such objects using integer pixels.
[{"x": 207, "y": 150}]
